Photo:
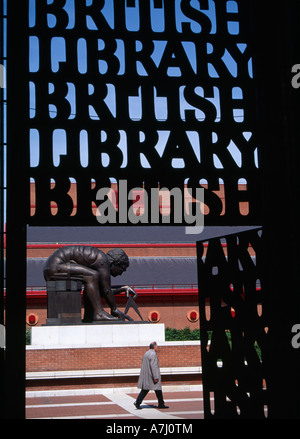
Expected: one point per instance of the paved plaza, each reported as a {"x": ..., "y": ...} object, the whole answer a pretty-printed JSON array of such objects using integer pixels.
[{"x": 116, "y": 404}]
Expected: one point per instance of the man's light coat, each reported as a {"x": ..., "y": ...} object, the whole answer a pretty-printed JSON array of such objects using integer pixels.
[{"x": 150, "y": 372}]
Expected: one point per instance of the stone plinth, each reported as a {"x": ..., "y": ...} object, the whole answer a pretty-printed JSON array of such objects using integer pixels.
[
  {"x": 64, "y": 302},
  {"x": 106, "y": 335}
]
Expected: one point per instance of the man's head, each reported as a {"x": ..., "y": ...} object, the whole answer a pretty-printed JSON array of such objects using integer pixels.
[
  {"x": 153, "y": 345},
  {"x": 119, "y": 261}
]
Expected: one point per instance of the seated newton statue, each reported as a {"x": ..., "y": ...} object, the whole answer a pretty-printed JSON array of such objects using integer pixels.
[{"x": 94, "y": 268}]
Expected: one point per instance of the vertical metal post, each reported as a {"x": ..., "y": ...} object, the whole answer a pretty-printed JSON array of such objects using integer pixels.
[
  {"x": 17, "y": 205},
  {"x": 2, "y": 111}
]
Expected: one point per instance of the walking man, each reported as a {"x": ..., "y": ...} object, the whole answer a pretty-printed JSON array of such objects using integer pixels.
[{"x": 150, "y": 378}]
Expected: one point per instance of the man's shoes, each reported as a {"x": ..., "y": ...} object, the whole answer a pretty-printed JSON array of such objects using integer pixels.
[
  {"x": 137, "y": 405},
  {"x": 163, "y": 407}
]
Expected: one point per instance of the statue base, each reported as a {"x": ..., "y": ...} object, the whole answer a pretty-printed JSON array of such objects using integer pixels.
[{"x": 102, "y": 334}]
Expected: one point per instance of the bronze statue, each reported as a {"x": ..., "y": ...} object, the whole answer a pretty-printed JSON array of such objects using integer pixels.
[{"x": 93, "y": 267}]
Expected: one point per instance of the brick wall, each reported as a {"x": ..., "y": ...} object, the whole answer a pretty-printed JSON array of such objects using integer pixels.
[{"x": 38, "y": 360}]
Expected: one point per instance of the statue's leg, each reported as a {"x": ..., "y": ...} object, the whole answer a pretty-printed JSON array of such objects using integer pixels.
[
  {"x": 92, "y": 292},
  {"x": 110, "y": 299}
]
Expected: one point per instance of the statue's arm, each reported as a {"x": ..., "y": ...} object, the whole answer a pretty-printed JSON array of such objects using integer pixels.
[{"x": 124, "y": 289}]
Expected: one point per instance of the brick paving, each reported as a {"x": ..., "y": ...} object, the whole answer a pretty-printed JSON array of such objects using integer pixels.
[{"x": 182, "y": 404}]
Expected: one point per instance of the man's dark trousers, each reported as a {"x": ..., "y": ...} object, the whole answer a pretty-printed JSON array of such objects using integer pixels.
[{"x": 144, "y": 392}]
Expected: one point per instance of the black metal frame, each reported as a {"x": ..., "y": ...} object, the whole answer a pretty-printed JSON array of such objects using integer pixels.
[{"x": 275, "y": 115}]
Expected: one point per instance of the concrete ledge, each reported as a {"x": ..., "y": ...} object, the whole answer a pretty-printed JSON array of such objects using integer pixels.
[
  {"x": 115, "y": 345},
  {"x": 108, "y": 373},
  {"x": 97, "y": 335}
]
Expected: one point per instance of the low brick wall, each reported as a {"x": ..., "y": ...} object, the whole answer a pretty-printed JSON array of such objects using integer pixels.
[{"x": 39, "y": 360}]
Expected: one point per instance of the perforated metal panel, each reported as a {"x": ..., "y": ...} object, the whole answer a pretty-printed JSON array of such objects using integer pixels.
[
  {"x": 154, "y": 93},
  {"x": 234, "y": 326}
]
